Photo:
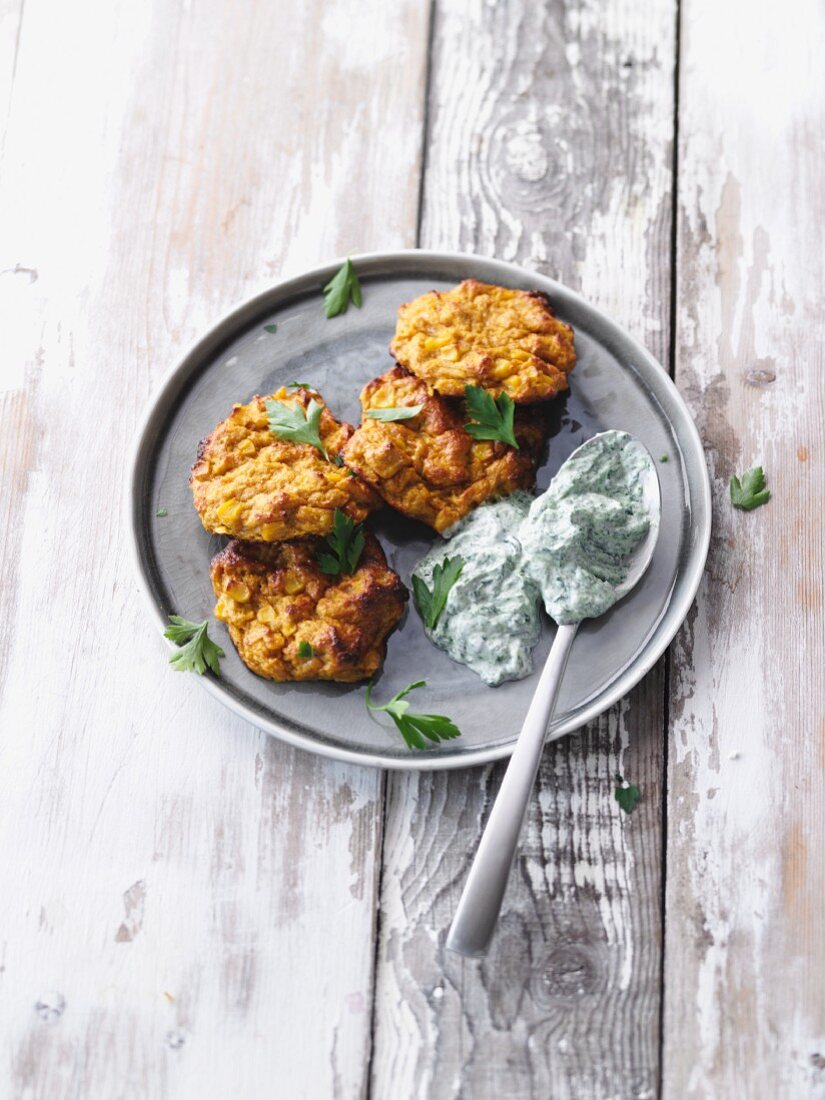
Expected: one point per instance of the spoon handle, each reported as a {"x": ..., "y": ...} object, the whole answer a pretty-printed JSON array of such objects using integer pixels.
[{"x": 477, "y": 913}]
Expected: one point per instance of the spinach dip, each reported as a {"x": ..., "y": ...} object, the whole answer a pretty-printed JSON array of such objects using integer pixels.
[
  {"x": 490, "y": 621},
  {"x": 567, "y": 548},
  {"x": 578, "y": 535}
]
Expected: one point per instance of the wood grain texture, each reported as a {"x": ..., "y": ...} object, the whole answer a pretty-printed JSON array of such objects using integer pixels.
[
  {"x": 186, "y": 906},
  {"x": 745, "y": 997},
  {"x": 11, "y": 21},
  {"x": 549, "y": 143}
]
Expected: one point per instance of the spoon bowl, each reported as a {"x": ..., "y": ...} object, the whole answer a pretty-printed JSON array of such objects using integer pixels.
[
  {"x": 478, "y": 909},
  {"x": 639, "y": 559}
]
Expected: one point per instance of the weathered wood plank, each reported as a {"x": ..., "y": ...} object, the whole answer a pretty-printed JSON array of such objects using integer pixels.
[
  {"x": 550, "y": 143},
  {"x": 745, "y": 941},
  {"x": 186, "y": 907},
  {"x": 11, "y": 22}
]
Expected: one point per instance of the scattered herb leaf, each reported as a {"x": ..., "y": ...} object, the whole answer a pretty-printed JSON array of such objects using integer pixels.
[
  {"x": 415, "y": 727},
  {"x": 664, "y": 458},
  {"x": 296, "y": 424},
  {"x": 161, "y": 512},
  {"x": 305, "y": 650},
  {"x": 197, "y": 650},
  {"x": 346, "y": 540},
  {"x": 750, "y": 491},
  {"x": 300, "y": 386},
  {"x": 336, "y": 460},
  {"x": 430, "y": 602},
  {"x": 399, "y": 412},
  {"x": 351, "y": 472},
  {"x": 490, "y": 417},
  {"x": 271, "y": 328},
  {"x": 627, "y": 795},
  {"x": 342, "y": 289}
]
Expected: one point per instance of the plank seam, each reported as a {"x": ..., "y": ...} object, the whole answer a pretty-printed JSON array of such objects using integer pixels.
[
  {"x": 425, "y": 127},
  {"x": 674, "y": 247},
  {"x": 377, "y": 888},
  {"x": 379, "y": 884}
]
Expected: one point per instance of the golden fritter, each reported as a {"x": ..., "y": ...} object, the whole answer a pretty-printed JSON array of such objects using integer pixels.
[
  {"x": 488, "y": 336},
  {"x": 291, "y": 621},
  {"x": 248, "y": 483},
  {"x": 429, "y": 467}
]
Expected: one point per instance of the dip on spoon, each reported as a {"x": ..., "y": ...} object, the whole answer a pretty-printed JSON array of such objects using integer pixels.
[
  {"x": 579, "y": 535},
  {"x": 590, "y": 540},
  {"x": 568, "y": 547}
]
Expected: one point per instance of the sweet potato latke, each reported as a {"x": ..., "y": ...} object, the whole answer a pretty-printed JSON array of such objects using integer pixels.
[
  {"x": 290, "y": 621},
  {"x": 250, "y": 484},
  {"x": 429, "y": 467},
  {"x": 488, "y": 336}
]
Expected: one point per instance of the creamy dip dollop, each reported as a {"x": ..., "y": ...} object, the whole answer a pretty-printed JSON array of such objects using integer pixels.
[
  {"x": 490, "y": 621},
  {"x": 567, "y": 548},
  {"x": 578, "y": 534}
]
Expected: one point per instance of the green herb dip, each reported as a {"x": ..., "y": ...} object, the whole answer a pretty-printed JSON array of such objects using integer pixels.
[
  {"x": 578, "y": 534},
  {"x": 490, "y": 621},
  {"x": 567, "y": 547}
]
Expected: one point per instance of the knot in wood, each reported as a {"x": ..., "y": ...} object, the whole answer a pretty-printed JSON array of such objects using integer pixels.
[
  {"x": 570, "y": 971},
  {"x": 761, "y": 373},
  {"x": 525, "y": 153}
]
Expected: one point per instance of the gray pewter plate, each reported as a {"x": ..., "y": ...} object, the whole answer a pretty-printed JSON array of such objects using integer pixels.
[{"x": 616, "y": 384}]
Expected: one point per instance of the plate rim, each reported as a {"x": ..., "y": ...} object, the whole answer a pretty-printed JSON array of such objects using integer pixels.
[{"x": 169, "y": 388}]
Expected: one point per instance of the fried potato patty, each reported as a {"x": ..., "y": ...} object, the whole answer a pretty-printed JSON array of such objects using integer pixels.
[
  {"x": 277, "y": 604},
  {"x": 488, "y": 336},
  {"x": 429, "y": 467},
  {"x": 248, "y": 483}
]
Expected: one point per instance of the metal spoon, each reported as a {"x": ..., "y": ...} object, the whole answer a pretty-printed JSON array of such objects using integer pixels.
[{"x": 478, "y": 909}]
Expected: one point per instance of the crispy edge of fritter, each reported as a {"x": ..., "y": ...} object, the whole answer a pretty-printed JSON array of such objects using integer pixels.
[
  {"x": 439, "y": 482},
  {"x": 238, "y": 514},
  {"x": 362, "y": 609},
  {"x": 542, "y": 355}
]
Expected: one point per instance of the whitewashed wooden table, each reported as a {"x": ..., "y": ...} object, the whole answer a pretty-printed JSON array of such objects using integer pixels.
[{"x": 190, "y": 909}]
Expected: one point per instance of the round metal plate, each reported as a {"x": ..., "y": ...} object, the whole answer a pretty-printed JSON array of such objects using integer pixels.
[{"x": 616, "y": 384}]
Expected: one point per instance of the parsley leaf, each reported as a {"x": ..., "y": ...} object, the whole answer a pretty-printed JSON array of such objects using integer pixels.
[
  {"x": 750, "y": 492},
  {"x": 197, "y": 650},
  {"x": 342, "y": 289},
  {"x": 664, "y": 458},
  {"x": 300, "y": 386},
  {"x": 161, "y": 512},
  {"x": 627, "y": 795},
  {"x": 271, "y": 328},
  {"x": 305, "y": 650},
  {"x": 346, "y": 540},
  {"x": 429, "y": 602},
  {"x": 397, "y": 412},
  {"x": 415, "y": 727},
  {"x": 490, "y": 417},
  {"x": 296, "y": 424}
]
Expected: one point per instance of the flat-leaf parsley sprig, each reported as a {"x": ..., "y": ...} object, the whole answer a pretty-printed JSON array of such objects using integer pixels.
[
  {"x": 197, "y": 650},
  {"x": 414, "y": 728},
  {"x": 346, "y": 541},
  {"x": 294, "y": 423},
  {"x": 750, "y": 491},
  {"x": 627, "y": 795},
  {"x": 431, "y": 601},
  {"x": 490, "y": 417},
  {"x": 342, "y": 289}
]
